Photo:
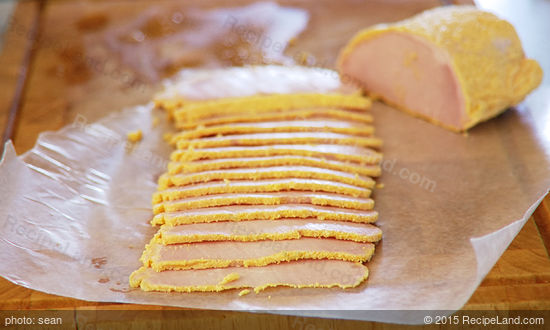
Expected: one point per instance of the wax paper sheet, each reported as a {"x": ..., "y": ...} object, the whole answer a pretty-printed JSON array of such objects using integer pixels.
[{"x": 76, "y": 208}]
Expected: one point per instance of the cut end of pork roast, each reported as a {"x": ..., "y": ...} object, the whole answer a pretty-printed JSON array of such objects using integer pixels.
[{"x": 454, "y": 66}]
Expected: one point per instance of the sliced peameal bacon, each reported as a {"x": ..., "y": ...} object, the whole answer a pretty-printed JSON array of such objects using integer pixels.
[
  {"x": 264, "y": 139},
  {"x": 296, "y": 274},
  {"x": 268, "y": 212},
  {"x": 259, "y": 186},
  {"x": 267, "y": 188},
  {"x": 334, "y": 126},
  {"x": 277, "y": 198},
  {"x": 257, "y": 230},
  {"x": 191, "y": 86},
  {"x": 268, "y": 103},
  {"x": 251, "y": 254},
  {"x": 290, "y": 114},
  {"x": 275, "y": 172},
  {"x": 354, "y": 154},
  {"x": 269, "y": 161}
]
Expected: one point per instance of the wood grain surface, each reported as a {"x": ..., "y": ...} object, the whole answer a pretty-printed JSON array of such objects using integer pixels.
[{"x": 60, "y": 85}]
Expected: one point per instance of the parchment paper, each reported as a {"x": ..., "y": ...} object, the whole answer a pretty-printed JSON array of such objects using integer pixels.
[{"x": 75, "y": 210}]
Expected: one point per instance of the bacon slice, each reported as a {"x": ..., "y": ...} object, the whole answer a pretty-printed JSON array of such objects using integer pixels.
[
  {"x": 296, "y": 274},
  {"x": 259, "y": 162},
  {"x": 263, "y": 139},
  {"x": 237, "y": 82},
  {"x": 267, "y": 212},
  {"x": 278, "y": 198},
  {"x": 260, "y": 186},
  {"x": 251, "y": 254},
  {"x": 267, "y": 103},
  {"x": 280, "y": 127},
  {"x": 290, "y": 114},
  {"x": 276, "y": 172},
  {"x": 325, "y": 151},
  {"x": 257, "y": 230}
]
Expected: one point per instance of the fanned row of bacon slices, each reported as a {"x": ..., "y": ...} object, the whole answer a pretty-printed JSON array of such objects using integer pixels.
[{"x": 265, "y": 190}]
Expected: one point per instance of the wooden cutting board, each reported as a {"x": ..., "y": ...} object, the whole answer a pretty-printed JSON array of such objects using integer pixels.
[{"x": 60, "y": 85}]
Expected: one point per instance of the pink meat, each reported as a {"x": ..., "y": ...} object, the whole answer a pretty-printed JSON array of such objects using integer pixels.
[{"x": 408, "y": 71}]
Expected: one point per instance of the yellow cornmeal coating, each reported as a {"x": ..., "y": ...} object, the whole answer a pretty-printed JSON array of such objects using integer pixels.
[
  {"x": 166, "y": 180},
  {"x": 135, "y": 136},
  {"x": 491, "y": 77},
  {"x": 290, "y": 114},
  {"x": 213, "y": 200},
  {"x": 250, "y": 140},
  {"x": 136, "y": 281},
  {"x": 162, "y": 238},
  {"x": 167, "y": 137},
  {"x": 190, "y": 155},
  {"x": 230, "y": 278},
  {"x": 155, "y": 122},
  {"x": 244, "y": 292},
  {"x": 358, "y": 130},
  {"x": 194, "y": 167},
  {"x": 273, "y": 214},
  {"x": 291, "y": 185},
  {"x": 194, "y": 111}
]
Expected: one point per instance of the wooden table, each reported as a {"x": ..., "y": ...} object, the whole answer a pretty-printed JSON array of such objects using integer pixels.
[{"x": 56, "y": 90}]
